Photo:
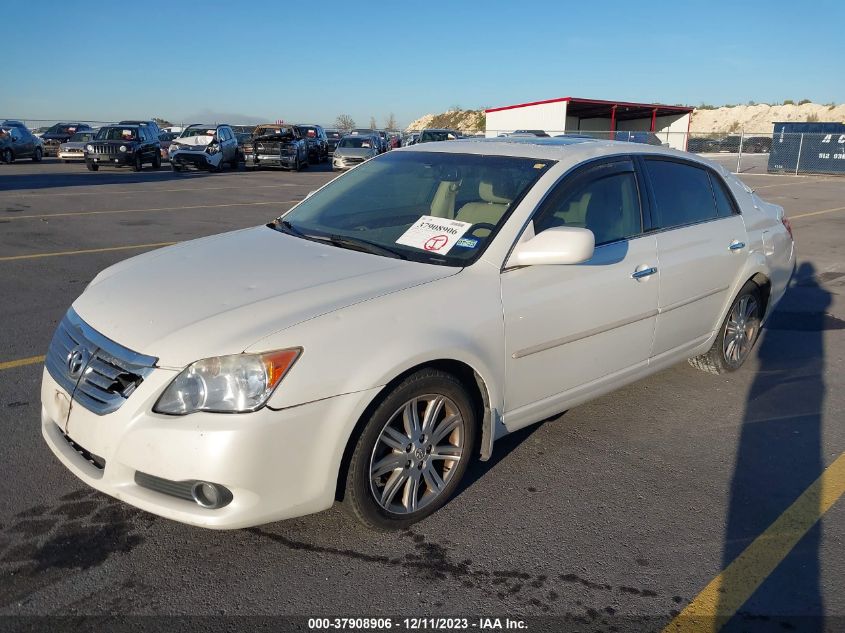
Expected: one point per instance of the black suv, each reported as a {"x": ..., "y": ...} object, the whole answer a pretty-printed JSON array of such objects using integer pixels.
[
  {"x": 119, "y": 145},
  {"x": 318, "y": 143}
]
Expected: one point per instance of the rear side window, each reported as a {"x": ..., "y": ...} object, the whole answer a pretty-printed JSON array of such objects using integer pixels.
[
  {"x": 724, "y": 203},
  {"x": 682, "y": 193}
]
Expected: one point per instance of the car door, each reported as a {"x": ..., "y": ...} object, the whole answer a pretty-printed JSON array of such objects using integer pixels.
[
  {"x": 575, "y": 329},
  {"x": 701, "y": 240}
]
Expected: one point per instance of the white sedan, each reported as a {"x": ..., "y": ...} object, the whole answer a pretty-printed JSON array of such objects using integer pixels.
[{"x": 393, "y": 325}]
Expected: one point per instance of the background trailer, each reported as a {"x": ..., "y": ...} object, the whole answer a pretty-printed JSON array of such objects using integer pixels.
[{"x": 595, "y": 117}]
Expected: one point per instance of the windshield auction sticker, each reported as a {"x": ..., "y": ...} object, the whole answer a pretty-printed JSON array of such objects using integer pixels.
[{"x": 435, "y": 235}]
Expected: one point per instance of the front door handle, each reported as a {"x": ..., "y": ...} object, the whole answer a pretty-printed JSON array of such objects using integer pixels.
[
  {"x": 640, "y": 273},
  {"x": 736, "y": 245}
]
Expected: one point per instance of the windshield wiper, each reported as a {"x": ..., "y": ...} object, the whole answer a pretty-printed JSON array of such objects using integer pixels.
[
  {"x": 341, "y": 241},
  {"x": 362, "y": 245},
  {"x": 286, "y": 227}
]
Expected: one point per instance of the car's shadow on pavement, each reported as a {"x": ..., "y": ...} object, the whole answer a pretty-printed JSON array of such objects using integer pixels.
[{"x": 779, "y": 455}]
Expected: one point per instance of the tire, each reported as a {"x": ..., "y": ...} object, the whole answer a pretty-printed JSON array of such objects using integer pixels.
[
  {"x": 737, "y": 335},
  {"x": 386, "y": 476},
  {"x": 157, "y": 161},
  {"x": 8, "y": 158},
  {"x": 175, "y": 168},
  {"x": 92, "y": 166},
  {"x": 138, "y": 165},
  {"x": 297, "y": 165},
  {"x": 38, "y": 155}
]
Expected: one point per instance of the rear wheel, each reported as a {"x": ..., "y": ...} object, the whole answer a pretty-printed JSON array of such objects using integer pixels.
[
  {"x": 39, "y": 153},
  {"x": 737, "y": 335},
  {"x": 7, "y": 156},
  {"x": 413, "y": 452}
]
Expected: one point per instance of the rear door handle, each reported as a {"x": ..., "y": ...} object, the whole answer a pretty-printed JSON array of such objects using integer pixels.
[
  {"x": 736, "y": 245},
  {"x": 643, "y": 272}
]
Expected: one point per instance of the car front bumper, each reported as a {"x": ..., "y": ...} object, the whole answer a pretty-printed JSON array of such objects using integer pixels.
[
  {"x": 199, "y": 160},
  {"x": 71, "y": 155},
  {"x": 114, "y": 160},
  {"x": 277, "y": 464},
  {"x": 270, "y": 160}
]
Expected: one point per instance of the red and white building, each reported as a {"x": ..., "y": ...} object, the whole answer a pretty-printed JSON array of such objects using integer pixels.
[{"x": 592, "y": 116}]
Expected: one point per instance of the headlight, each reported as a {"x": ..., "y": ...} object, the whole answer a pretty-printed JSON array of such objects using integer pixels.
[
  {"x": 90, "y": 148},
  {"x": 227, "y": 384},
  {"x": 213, "y": 148},
  {"x": 122, "y": 148},
  {"x": 173, "y": 147}
]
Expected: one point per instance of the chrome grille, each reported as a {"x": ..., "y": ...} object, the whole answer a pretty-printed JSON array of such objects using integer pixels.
[
  {"x": 103, "y": 149},
  {"x": 98, "y": 373}
]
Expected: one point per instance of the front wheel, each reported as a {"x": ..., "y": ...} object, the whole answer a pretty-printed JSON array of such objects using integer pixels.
[
  {"x": 7, "y": 156},
  {"x": 737, "y": 335},
  {"x": 36, "y": 157},
  {"x": 413, "y": 452},
  {"x": 138, "y": 165},
  {"x": 157, "y": 161},
  {"x": 92, "y": 166}
]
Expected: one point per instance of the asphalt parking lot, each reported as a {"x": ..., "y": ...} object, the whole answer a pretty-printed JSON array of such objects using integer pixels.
[{"x": 615, "y": 515}]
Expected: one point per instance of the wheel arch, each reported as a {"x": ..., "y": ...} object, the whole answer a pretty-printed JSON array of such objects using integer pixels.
[{"x": 468, "y": 376}]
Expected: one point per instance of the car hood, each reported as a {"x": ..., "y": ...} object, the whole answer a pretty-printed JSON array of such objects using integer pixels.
[
  {"x": 220, "y": 294},
  {"x": 197, "y": 141},
  {"x": 357, "y": 152}
]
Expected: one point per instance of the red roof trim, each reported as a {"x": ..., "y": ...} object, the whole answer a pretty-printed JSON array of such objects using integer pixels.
[
  {"x": 525, "y": 105},
  {"x": 594, "y": 101}
]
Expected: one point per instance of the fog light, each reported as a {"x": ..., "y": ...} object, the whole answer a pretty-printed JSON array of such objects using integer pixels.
[{"x": 210, "y": 495}]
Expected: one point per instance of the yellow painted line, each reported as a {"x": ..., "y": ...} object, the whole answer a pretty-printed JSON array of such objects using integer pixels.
[
  {"x": 65, "y": 214},
  {"x": 807, "y": 215},
  {"x": 137, "y": 191},
  {"x": 21, "y": 362},
  {"x": 86, "y": 251},
  {"x": 728, "y": 591}
]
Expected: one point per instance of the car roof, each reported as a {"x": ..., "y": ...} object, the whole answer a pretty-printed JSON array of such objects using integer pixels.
[{"x": 564, "y": 150}]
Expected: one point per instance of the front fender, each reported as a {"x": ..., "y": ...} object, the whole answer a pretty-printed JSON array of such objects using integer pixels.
[{"x": 368, "y": 344}]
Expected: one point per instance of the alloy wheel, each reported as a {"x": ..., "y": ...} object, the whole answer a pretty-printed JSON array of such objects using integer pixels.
[
  {"x": 417, "y": 453},
  {"x": 741, "y": 330}
]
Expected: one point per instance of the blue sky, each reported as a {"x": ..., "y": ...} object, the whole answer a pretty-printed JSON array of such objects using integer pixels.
[{"x": 310, "y": 61}]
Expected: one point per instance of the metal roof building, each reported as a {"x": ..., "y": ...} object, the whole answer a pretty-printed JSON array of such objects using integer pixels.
[{"x": 599, "y": 117}]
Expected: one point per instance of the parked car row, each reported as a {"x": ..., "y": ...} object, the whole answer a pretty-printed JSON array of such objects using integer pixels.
[{"x": 730, "y": 143}]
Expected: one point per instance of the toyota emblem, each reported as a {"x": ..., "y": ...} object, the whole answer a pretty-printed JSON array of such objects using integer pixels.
[{"x": 77, "y": 359}]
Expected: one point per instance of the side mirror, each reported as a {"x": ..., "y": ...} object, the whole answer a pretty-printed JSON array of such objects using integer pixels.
[{"x": 555, "y": 246}]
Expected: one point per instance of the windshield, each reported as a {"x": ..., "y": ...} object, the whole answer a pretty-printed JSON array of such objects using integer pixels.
[
  {"x": 437, "y": 135},
  {"x": 81, "y": 137},
  {"x": 62, "y": 128},
  {"x": 284, "y": 132},
  {"x": 333, "y": 134},
  {"x": 356, "y": 141},
  {"x": 119, "y": 133},
  {"x": 432, "y": 207},
  {"x": 198, "y": 131},
  {"x": 308, "y": 132}
]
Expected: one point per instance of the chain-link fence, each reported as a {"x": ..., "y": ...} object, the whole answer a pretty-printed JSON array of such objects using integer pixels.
[{"x": 741, "y": 152}]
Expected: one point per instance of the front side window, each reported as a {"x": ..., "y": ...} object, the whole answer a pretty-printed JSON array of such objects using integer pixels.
[
  {"x": 606, "y": 203},
  {"x": 397, "y": 203},
  {"x": 682, "y": 193}
]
